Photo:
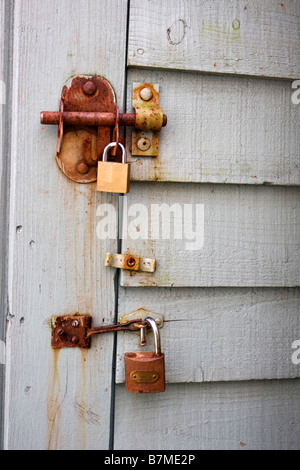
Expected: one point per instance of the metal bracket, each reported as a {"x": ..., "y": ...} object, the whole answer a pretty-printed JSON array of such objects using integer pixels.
[
  {"x": 130, "y": 262},
  {"x": 70, "y": 331},
  {"x": 142, "y": 313},
  {"x": 88, "y": 120},
  {"x": 149, "y": 119}
]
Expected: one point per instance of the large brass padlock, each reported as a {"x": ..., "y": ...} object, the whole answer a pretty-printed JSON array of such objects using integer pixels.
[
  {"x": 145, "y": 371},
  {"x": 113, "y": 177}
]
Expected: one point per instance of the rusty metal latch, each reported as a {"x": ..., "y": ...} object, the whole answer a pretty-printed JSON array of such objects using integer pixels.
[
  {"x": 70, "y": 331},
  {"x": 88, "y": 120},
  {"x": 149, "y": 119},
  {"x": 130, "y": 262}
]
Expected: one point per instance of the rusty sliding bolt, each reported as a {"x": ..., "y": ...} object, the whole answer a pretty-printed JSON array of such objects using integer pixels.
[{"x": 90, "y": 118}]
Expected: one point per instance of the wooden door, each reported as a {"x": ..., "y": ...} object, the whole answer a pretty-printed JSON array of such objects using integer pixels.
[
  {"x": 231, "y": 302},
  {"x": 57, "y": 400}
]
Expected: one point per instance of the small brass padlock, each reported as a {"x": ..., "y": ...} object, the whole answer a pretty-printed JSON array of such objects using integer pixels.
[
  {"x": 113, "y": 177},
  {"x": 145, "y": 372}
]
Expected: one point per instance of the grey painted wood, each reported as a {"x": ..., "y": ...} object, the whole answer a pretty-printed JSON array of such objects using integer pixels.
[
  {"x": 221, "y": 130},
  {"x": 2, "y": 220},
  {"x": 220, "y": 416},
  {"x": 217, "y": 36},
  {"x": 56, "y": 258},
  {"x": 243, "y": 236},
  {"x": 214, "y": 335},
  {"x": 6, "y": 19}
]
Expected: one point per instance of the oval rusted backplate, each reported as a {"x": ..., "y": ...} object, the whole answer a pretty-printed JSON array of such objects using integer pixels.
[{"x": 82, "y": 147}]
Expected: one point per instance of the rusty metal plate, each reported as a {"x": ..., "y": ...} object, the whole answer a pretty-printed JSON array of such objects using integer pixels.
[
  {"x": 142, "y": 313},
  {"x": 148, "y": 117},
  {"x": 71, "y": 159},
  {"x": 69, "y": 331},
  {"x": 81, "y": 147},
  {"x": 130, "y": 262}
]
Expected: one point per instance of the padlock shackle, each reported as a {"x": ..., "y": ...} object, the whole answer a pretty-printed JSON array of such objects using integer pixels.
[
  {"x": 114, "y": 144},
  {"x": 156, "y": 333}
]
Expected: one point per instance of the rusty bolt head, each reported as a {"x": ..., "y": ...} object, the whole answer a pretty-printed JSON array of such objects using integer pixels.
[
  {"x": 144, "y": 144},
  {"x": 146, "y": 94},
  {"x": 75, "y": 340},
  {"x": 82, "y": 168},
  {"x": 89, "y": 88},
  {"x": 75, "y": 324},
  {"x": 60, "y": 332}
]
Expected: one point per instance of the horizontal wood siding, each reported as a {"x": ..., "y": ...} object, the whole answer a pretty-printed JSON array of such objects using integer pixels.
[
  {"x": 251, "y": 235},
  {"x": 237, "y": 416},
  {"x": 259, "y": 38},
  {"x": 214, "y": 335},
  {"x": 222, "y": 130},
  {"x": 231, "y": 307}
]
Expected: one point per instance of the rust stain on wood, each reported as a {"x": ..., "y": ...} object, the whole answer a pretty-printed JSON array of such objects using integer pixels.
[
  {"x": 53, "y": 405},
  {"x": 80, "y": 405}
]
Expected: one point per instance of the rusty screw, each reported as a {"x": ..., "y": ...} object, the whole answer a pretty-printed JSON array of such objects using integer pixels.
[
  {"x": 89, "y": 88},
  {"x": 75, "y": 340},
  {"x": 60, "y": 332},
  {"x": 131, "y": 263},
  {"x": 144, "y": 144},
  {"x": 75, "y": 324},
  {"x": 146, "y": 94},
  {"x": 83, "y": 168}
]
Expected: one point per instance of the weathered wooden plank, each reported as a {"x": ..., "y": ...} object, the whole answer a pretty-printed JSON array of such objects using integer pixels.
[
  {"x": 213, "y": 235},
  {"x": 56, "y": 265},
  {"x": 247, "y": 415},
  {"x": 214, "y": 335},
  {"x": 217, "y": 36},
  {"x": 3, "y": 208},
  {"x": 222, "y": 130}
]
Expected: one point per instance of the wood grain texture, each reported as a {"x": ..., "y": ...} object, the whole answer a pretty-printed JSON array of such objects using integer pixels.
[
  {"x": 221, "y": 130},
  {"x": 3, "y": 174},
  {"x": 215, "y": 335},
  {"x": 56, "y": 261},
  {"x": 217, "y": 36},
  {"x": 3, "y": 208},
  {"x": 244, "y": 236},
  {"x": 237, "y": 416}
]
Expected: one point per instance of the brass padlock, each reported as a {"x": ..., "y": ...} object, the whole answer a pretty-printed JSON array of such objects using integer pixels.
[
  {"x": 145, "y": 371},
  {"x": 113, "y": 177}
]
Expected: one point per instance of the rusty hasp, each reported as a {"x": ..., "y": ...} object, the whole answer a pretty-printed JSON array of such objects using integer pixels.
[
  {"x": 69, "y": 331},
  {"x": 88, "y": 120}
]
